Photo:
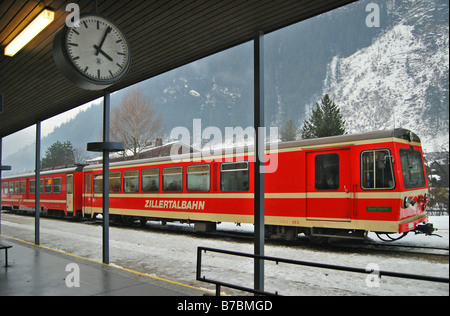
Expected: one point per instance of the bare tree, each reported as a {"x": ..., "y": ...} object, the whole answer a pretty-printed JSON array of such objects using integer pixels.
[{"x": 135, "y": 122}]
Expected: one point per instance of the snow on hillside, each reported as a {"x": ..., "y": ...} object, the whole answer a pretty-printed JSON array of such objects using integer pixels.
[{"x": 388, "y": 84}]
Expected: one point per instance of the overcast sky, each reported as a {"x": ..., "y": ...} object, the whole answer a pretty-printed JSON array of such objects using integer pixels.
[{"x": 17, "y": 141}]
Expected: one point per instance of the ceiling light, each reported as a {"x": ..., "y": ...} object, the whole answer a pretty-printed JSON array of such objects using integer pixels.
[{"x": 34, "y": 28}]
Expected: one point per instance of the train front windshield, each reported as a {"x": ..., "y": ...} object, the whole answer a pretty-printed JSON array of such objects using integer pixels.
[{"x": 412, "y": 168}]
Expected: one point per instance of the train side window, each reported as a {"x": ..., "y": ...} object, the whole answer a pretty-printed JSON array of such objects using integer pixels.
[
  {"x": 115, "y": 182},
  {"x": 48, "y": 185},
  {"x": 198, "y": 178},
  {"x": 131, "y": 181},
  {"x": 98, "y": 183},
  {"x": 32, "y": 186},
  {"x": 17, "y": 187},
  {"x": 57, "y": 185},
  {"x": 5, "y": 187},
  {"x": 41, "y": 186},
  {"x": 234, "y": 176},
  {"x": 150, "y": 180},
  {"x": 376, "y": 170},
  {"x": 23, "y": 187},
  {"x": 11, "y": 188},
  {"x": 173, "y": 179},
  {"x": 327, "y": 172}
]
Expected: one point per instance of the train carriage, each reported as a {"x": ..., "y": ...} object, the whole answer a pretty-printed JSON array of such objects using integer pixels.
[
  {"x": 343, "y": 185},
  {"x": 335, "y": 186},
  {"x": 60, "y": 192}
]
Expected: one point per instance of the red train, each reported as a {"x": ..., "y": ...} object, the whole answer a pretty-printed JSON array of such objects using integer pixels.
[{"x": 335, "y": 186}]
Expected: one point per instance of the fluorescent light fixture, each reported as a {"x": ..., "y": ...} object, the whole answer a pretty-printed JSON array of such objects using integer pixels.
[{"x": 34, "y": 28}]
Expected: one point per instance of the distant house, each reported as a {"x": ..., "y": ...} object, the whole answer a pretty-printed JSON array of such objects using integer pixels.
[{"x": 159, "y": 150}]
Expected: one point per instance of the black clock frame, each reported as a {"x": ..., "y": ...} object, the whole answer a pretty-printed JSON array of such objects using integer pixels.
[{"x": 70, "y": 70}]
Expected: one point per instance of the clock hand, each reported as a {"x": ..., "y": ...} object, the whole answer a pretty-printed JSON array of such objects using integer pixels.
[{"x": 99, "y": 50}]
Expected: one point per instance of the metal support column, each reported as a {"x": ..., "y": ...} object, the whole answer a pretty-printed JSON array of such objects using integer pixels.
[
  {"x": 4, "y": 168},
  {"x": 106, "y": 147},
  {"x": 37, "y": 201},
  {"x": 105, "y": 190},
  {"x": 1, "y": 168},
  {"x": 259, "y": 158}
]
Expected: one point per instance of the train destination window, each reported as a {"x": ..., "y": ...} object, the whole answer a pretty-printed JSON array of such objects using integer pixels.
[
  {"x": 327, "y": 172},
  {"x": 48, "y": 185},
  {"x": 234, "y": 176},
  {"x": 198, "y": 178},
  {"x": 377, "y": 171},
  {"x": 150, "y": 180},
  {"x": 412, "y": 168},
  {"x": 131, "y": 181},
  {"x": 57, "y": 185},
  {"x": 115, "y": 182},
  {"x": 173, "y": 179}
]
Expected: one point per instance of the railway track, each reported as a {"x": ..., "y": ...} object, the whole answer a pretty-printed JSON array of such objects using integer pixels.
[
  {"x": 438, "y": 254},
  {"x": 435, "y": 251}
]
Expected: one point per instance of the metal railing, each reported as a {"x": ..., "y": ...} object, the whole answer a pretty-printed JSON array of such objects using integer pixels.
[{"x": 219, "y": 284}]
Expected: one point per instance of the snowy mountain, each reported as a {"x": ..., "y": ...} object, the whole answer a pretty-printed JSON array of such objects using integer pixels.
[{"x": 402, "y": 79}]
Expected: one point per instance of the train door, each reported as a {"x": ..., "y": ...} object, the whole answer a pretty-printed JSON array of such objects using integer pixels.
[
  {"x": 69, "y": 194},
  {"x": 87, "y": 194},
  {"x": 328, "y": 185}
]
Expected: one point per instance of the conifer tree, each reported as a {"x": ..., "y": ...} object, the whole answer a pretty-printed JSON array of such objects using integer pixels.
[
  {"x": 326, "y": 120},
  {"x": 289, "y": 131},
  {"x": 58, "y": 155}
]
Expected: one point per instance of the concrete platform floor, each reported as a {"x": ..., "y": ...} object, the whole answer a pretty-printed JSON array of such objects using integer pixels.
[{"x": 40, "y": 271}]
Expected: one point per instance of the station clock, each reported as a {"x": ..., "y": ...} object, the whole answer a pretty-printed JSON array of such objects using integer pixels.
[{"x": 94, "y": 54}]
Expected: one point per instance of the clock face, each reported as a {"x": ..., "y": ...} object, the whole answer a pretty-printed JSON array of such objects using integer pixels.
[{"x": 98, "y": 49}]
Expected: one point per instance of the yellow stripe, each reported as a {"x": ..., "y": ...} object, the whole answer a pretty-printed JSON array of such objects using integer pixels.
[
  {"x": 342, "y": 223},
  {"x": 293, "y": 195},
  {"x": 32, "y": 201},
  {"x": 175, "y": 195}
]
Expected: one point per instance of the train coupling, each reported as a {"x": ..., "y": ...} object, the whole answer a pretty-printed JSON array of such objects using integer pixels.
[{"x": 427, "y": 229}]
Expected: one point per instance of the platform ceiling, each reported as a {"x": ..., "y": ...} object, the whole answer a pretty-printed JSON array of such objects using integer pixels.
[{"x": 164, "y": 34}]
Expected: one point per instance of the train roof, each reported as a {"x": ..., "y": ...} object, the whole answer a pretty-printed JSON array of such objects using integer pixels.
[
  {"x": 399, "y": 133},
  {"x": 341, "y": 140},
  {"x": 77, "y": 168}
]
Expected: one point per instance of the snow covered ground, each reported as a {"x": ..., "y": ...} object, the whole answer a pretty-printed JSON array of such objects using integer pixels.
[{"x": 173, "y": 256}]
